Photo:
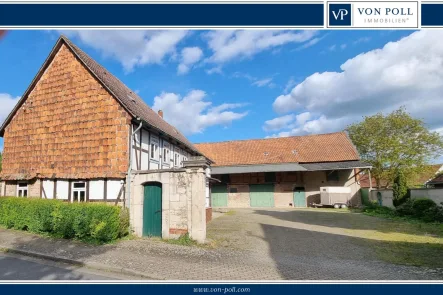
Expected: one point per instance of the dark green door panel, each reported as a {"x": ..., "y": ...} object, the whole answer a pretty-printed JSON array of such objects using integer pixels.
[
  {"x": 152, "y": 210},
  {"x": 299, "y": 198},
  {"x": 219, "y": 196},
  {"x": 261, "y": 195}
]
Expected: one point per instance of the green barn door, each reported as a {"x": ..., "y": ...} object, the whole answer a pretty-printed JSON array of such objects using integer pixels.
[
  {"x": 152, "y": 210},
  {"x": 262, "y": 195},
  {"x": 219, "y": 196},
  {"x": 299, "y": 197}
]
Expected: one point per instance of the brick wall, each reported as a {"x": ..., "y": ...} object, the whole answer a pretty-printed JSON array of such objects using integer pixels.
[
  {"x": 239, "y": 199},
  {"x": 69, "y": 127},
  {"x": 11, "y": 188},
  {"x": 284, "y": 194},
  {"x": 285, "y": 184}
]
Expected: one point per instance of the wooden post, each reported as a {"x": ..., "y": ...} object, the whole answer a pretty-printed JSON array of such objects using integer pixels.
[
  {"x": 105, "y": 189},
  {"x": 55, "y": 189},
  {"x": 370, "y": 179},
  {"x": 87, "y": 191},
  {"x": 69, "y": 191}
]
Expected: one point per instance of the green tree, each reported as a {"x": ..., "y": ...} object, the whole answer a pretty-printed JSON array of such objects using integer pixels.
[
  {"x": 400, "y": 187},
  {"x": 395, "y": 142}
]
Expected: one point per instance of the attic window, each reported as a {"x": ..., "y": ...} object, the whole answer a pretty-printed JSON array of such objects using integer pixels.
[
  {"x": 266, "y": 153},
  {"x": 131, "y": 98},
  {"x": 294, "y": 152}
]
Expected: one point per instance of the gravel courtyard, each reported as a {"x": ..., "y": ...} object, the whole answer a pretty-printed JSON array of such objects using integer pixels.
[{"x": 322, "y": 244}]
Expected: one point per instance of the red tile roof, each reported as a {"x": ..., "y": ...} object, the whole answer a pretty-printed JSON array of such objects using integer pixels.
[
  {"x": 437, "y": 179},
  {"x": 332, "y": 147},
  {"x": 419, "y": 179}
]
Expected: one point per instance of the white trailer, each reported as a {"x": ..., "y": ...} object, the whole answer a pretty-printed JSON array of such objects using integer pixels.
[{"x": 336, "y": 196}]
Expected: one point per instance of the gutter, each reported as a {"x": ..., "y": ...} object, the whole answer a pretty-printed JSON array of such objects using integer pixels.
[{"x": 128, "y": 180}]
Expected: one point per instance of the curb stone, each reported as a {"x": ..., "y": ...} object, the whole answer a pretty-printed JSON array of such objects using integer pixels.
[{"x": 90, "y": 265}]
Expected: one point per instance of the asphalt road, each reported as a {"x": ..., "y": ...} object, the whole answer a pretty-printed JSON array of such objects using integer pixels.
[{"x": 15, "y": 267}]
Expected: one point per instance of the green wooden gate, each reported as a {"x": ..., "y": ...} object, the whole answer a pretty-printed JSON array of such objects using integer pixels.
[
  {"x": 299, "y": 197},
  {"x": 219, "y": 196},
  {"x": 262, "y": 195},
  {"x": 152, "y": 210}
]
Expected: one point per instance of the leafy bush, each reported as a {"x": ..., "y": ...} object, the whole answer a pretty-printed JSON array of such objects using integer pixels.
[
  {"x": 420, "y": 206},
  {"x": 377, "y": 210},
  {"x": 423, "y": 209},
  {"x": 405, "y": 209},
  {"x": 85, "y": 221}
]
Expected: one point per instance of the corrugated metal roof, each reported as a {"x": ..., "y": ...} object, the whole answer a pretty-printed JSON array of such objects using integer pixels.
[{"x": 335, "y": 165}]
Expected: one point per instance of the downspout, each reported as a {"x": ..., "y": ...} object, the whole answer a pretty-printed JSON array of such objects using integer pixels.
[{"x": 128, "y": 181}]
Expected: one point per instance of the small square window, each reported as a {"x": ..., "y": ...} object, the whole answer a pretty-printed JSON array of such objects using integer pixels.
[
  {"x": 22, "y": 189},
  {"x": 332, "y": 175},
  {"x": 79, "y": 192}
]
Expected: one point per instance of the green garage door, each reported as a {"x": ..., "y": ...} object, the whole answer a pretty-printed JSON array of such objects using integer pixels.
[
  {"x": 219, "y": 196},
  {"x": 262, "y": 195}
]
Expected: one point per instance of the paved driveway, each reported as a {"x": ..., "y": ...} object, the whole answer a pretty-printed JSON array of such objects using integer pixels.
[{"x": 315, "y": 244}]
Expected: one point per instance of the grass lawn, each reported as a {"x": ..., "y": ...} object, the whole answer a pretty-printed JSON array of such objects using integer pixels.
[{"x": 403, "y": 241}]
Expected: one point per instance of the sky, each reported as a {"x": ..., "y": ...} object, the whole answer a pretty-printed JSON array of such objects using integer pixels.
[{"x": 229, "y": 85}]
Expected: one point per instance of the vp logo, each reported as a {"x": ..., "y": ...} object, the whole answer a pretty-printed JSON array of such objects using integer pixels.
[{"x": 340, "y": 14}]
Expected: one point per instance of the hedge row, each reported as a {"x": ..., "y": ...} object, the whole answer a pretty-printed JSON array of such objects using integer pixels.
[
  {"x": 84, "y": 221},
  {"x": 421, "y": 208}
]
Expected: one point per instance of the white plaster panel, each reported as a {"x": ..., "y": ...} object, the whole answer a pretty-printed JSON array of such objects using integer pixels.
[
  {"x": 113, "y": 189},
  {"x": 62, "y": 189},
  {"x": 96, "y": 190},
  {"x": 48, "y": 186}
]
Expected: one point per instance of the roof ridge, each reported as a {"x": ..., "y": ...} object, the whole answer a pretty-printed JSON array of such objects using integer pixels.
[{"x": 270, "y": 138}]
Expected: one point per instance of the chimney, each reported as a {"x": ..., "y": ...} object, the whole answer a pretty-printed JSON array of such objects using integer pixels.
[{"x": 160, "y": 113}]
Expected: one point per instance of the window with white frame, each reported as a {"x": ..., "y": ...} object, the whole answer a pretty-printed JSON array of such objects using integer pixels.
[
  {"x": 154, "y": 149},
  {"x": 177, "y": 157},
  {"x": 78, "y": 191},
  {"x": 165, "y": 152},
  {"x": 172, "y": 156},
  {"x": 22, "y": 189}
]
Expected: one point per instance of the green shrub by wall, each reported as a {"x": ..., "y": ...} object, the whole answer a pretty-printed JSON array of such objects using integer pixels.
[
  {"x": 421, "y": 208},
  {"x": 84, "y": 221}
]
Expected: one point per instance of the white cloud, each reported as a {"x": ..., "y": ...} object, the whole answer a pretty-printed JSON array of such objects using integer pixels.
[
  {"x": 291, "y": 83},
  {"x": 132, "y": 48},
  {"x": 278, "y": 123},
  {"x": 310, "y": 43},
  {"x": 189, "y": 56},
  {"x": 287, "y": 122},
  {"x": 407, "y": 73},
  {"x": 7, "y": 102},
  {"x": 228, "y": 45},
  {"x": 192, "y": 114},
  {"x": 264, "y": 82},
  {"x": 215, "y": 70},
  {"x": 362, "y": 40},
  {"x": 256, "y": 81}
]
